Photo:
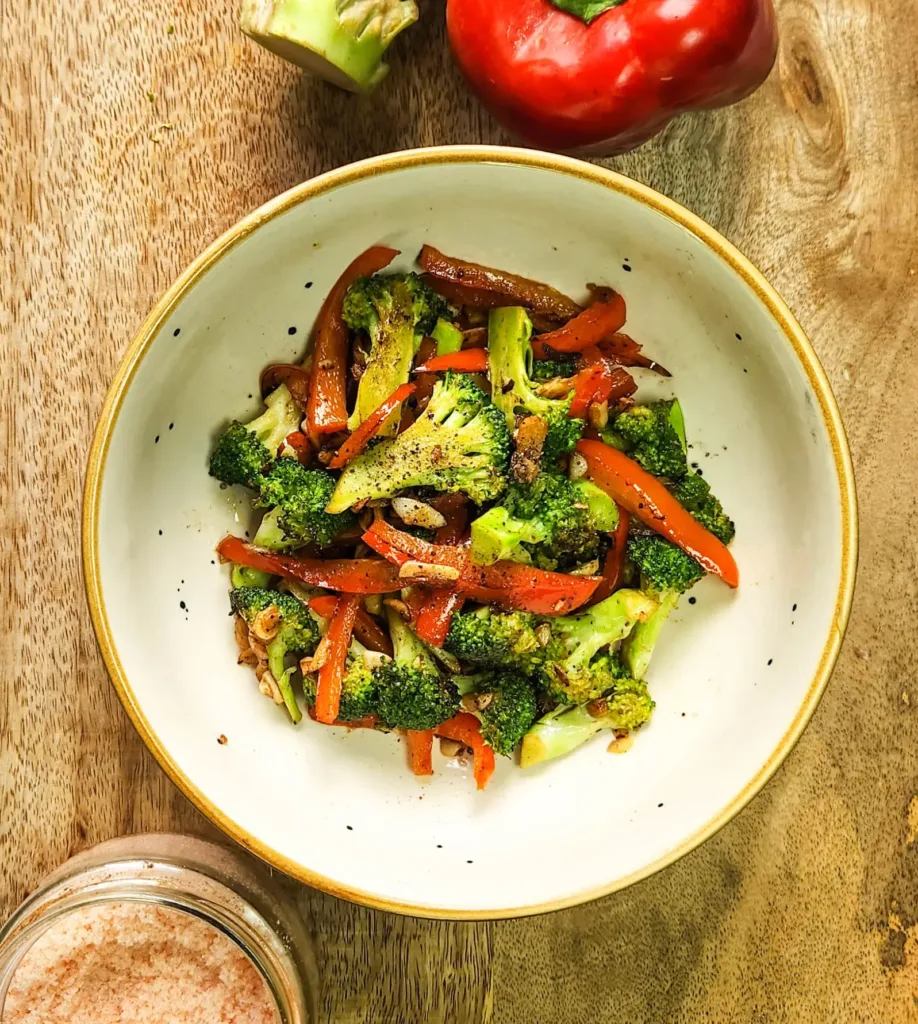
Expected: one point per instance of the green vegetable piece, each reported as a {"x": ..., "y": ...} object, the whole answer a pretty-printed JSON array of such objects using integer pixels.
[
  {"x": 497, "y": 535},
  {"x": 297, "y": 634},
  {"x": 489, "y": 639},
  {"x": 628, "y": 706},
  {"x": 396, "y": 311},
  {"x": 694, "y": 493},
  {"x": 245, "y": 449},
  {"x": 243, "y": 576},
  {"x": 648, "y": 434},
  {"x": 342, "y": 41},
  {"x": 459, "y": 443},
  {"x": 513, "y": 390},
  {"x": 299, "y": 497},
  {"x": 507, "y": 708},
  {"x": 578, "y": 665},
  {"x": 359, "y": 690},
  {"x": 447, "y": 336},
  {"x": 412, "y": 693}
]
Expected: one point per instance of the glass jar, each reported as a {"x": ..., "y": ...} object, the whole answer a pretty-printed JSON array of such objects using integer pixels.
[{"x": 221, "y": 886}]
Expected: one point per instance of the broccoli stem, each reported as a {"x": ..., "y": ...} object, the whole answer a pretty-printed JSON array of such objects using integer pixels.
[
  {"x": 243, "y": 576},
  {"x": 342, "y": 41},
  {"x": 638, "y": 647},
  {"x": 283, "y": 684},
  {"x": 447, "y": 336},
  {"x": 558, "y": 733}
]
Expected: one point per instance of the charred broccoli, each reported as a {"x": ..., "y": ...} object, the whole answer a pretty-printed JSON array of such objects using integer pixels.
[
  {"x": 507, "y": 708},
  {"x": 486, "y": 638},
  {"x": 694, "y": 494},
  {"x": 459, "y": 443},
  {"x": 359, "y": 689},
  {"x": 396, "y": 311}
]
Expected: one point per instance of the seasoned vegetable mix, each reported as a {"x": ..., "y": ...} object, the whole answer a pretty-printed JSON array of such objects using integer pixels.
[{"x": 471, "y": 529}]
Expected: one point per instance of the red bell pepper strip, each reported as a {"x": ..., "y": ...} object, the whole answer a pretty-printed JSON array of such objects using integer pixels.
[
  {"x": 624, "y": 350},
  {"x": 603, "y": 77},
  {"x": 598, "y": 381},
  {"x": 362, "y": 436},
  {"x": 614, "y": 562},
  {"x": 465, "y": 728},
  {"x": 647, "y": 499},
  {"x": 512, "y": 584},
  {"x": 326, "y": 410},
  {"x": 295, "y": 377},
  {"x": 349, "y": 575},
  {"x": 455, "y": 510},
  {"x": 523, "y": 290},
  {"x": 467, "y": 360},
  {"x": 331, "y": 674},
  {"x": 420, "y": 750},
  {"x": 596, "y": 323},
  {"x": 366, "y": 628},
  {"x": 436, "y": 614}
]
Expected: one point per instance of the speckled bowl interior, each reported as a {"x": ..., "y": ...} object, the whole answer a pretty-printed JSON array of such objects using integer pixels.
[{"x": 736, "y": 676}]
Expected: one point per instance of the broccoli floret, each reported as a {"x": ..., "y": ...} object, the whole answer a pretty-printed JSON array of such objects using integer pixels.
[
  {"x": 396, "y": 311},
  {"x": 296, "y": 632},
  {"x": 300, "y": 496},
  {"x": 650, "y": 434},
  {"x": 662, "y": 565},
  {"x": 547, "y": 369},
  {"x": 554, "y": 522},
  {"x": 507, "y": 707},
  {"x": 512, "y": 387},
  {"x": 694, "y": 494},
  {"x": 459, "y": 443},
  {"x": 359, "y": 689},
  {"x": 627, "y": 706},
  {"x": 578, "y": 666},
  {"x": 244, "y": 449},
  {"x": 491, "y": 639},
  {"x": 412, "y": 694},
  {"x": 562, "y": 437}
]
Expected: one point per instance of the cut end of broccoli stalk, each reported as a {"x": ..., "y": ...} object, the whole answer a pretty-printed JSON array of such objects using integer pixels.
[
  {"x": 558, "y": 733},
  {"x": 638, "y": 647},
  {"x": 342, "y": 41}
]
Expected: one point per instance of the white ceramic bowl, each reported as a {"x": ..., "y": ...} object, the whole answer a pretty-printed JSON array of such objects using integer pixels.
[{"x": 737, "y": 675}]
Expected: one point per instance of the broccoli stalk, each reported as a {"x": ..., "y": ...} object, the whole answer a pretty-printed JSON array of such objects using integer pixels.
[
  {"x": 295, "y": 632},
  {"x": 341, "y": 41},
  {"x": 513, "y": 390},
  {"x": 667, "y": 572},
  {"x": 245, "y": 449},
  {"x": 566, "y": 728},
  {"x": 396, "y": 311},
  {"x": 578, "y": 666},
  {"x": 447, "y": 336},
  {"x": 412, "y": 694},
  {"x": 553, "y": 522},
  {"x": 459, "y": 443}
]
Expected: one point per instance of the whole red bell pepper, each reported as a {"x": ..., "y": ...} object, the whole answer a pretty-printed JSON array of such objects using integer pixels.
[{"x": 604, "y": 76}]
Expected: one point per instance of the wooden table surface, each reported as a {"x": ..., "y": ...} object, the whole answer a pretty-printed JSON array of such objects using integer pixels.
[{"x": 126, "y": 147}]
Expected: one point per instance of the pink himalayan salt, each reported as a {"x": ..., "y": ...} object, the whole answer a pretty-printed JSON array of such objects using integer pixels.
[{"x": 133, "y": 963}]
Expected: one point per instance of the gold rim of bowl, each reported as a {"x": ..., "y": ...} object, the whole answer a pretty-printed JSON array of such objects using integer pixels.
[{"x": 386, "y": 165}]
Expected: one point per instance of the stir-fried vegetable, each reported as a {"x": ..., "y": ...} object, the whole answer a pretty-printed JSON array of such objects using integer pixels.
[{"x": 489, "y": 556}]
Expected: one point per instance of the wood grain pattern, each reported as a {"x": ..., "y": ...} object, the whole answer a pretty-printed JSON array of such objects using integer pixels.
[{"x": 127, "y": 147}]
